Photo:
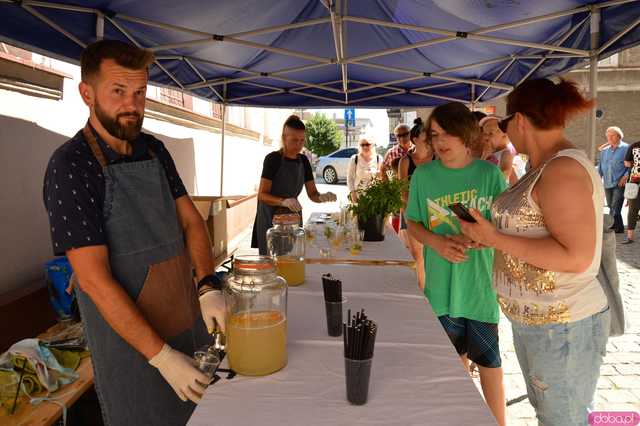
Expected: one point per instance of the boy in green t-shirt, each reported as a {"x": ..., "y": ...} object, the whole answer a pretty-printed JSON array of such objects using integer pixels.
[{"x": 458, "y": 272}]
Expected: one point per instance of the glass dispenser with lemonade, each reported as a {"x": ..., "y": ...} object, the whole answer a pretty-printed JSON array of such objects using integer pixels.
[
  {"x": 256, "y": 317},
  {"x": 286, "y": 244}
]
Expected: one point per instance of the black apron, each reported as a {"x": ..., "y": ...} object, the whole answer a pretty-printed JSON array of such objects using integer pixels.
[{"x": 287, "y": 183}]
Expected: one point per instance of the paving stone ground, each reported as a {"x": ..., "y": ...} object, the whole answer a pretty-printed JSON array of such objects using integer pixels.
[{"x": 619, "y": 384}]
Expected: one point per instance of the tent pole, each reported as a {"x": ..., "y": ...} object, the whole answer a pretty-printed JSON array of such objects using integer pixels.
[
  {"x": 224, "y": 120},
  {"x": 431, "y": 95},
  {"x": 99, "y": 26},
  {"x": 559, "y": 42},
  {"x": 472, "y": 102},
  {"x": 593, "y": 80},
  {"x": 619, "y": 35},
  {"x": 511, "y": 62}
]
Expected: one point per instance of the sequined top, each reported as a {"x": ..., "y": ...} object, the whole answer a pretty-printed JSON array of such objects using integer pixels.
[{"x": 536, "y": 296}]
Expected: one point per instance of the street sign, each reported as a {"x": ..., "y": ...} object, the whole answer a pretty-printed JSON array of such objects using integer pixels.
[{"x": 350, "y": 117}]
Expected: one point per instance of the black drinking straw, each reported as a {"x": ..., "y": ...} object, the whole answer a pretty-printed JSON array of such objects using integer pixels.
[
  {"x": 332, "y": 288},
  {"x": 359, "y": 335},
  {"x": 15, "y": 399}
]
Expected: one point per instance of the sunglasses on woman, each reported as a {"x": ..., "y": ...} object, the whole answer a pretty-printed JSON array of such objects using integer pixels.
[
  {"x": 365, "y": 145},
  {"x": 502, "y": 124}
]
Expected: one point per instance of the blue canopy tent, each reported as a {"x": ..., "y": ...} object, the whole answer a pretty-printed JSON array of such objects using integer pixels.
[{"x": 337, "y": 53}]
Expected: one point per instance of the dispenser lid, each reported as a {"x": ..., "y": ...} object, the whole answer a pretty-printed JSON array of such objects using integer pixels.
[
  {"x": 253, "y": 263},
  {"x": 286, "y": 219}
]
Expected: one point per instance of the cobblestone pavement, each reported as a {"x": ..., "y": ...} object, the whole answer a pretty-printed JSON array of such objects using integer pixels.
[{"x": 619, "y": 384}]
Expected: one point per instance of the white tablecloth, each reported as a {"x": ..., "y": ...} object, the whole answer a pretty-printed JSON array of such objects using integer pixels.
[
  {"x": 416, "y": 378},
  {"x": 364, "y": 279}
]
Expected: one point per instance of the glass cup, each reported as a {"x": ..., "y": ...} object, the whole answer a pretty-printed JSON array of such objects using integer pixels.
[
  {"x": 357, "y": 373},
  {"x": 356, "y": 241},
  {"x": 325, "y": 252},
  {"x": 334, "y": 317},
  {"x": 338, "y": 237},
  {"x": 207, "y": 362},
  {"x": 310, "y": 234}
]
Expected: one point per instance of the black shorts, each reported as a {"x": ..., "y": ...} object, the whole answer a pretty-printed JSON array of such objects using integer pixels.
[{"x": 477, "y": 339}]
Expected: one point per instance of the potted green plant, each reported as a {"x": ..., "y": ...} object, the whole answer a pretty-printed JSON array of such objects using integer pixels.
[{"x": 376, "y": 200}]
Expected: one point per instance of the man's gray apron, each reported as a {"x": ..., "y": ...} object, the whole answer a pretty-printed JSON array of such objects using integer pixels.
[
  {"x": 148, "y": 259},
  {"x": 287, "y": 183}
]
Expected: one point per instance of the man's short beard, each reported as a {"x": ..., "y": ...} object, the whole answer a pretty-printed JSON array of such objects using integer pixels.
[{"x": 127, "y": 132}]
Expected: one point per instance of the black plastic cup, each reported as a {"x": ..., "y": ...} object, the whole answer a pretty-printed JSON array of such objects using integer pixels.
[
  {"x": 334, "y": 317},
  {"x": 357, "y": 373}
]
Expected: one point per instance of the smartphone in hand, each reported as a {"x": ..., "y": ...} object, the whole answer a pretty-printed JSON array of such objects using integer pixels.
[{"x": 462, "y": 212}]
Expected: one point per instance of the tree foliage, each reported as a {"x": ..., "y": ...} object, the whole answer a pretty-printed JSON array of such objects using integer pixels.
[{"x": 322, "y": 136}]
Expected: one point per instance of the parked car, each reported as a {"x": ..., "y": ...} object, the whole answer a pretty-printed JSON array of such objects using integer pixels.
[{"x": 333, "y": 167}]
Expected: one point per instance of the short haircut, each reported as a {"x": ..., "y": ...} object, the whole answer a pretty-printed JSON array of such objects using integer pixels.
[
  {"x": 616, "y": 129},
  {"x": 402, "y": 126},
  {"x": 124, "y": 54},
  {"x": 456, "y": 119}
]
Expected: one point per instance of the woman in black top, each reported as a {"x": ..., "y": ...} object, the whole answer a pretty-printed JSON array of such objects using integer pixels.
[
  {"x": 632, "y": 160},
  {"x": 422, "y": 154},
  {"x": 284, "y": 173}
]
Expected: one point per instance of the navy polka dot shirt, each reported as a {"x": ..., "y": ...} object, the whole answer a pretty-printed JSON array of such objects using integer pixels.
[{"x": 74, "y": 188}]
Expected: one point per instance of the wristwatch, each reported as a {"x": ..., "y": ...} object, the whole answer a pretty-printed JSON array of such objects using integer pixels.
[{"x": 208, "y": 283}]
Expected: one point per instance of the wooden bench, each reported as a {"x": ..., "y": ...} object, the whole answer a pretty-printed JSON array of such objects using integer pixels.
[{"x": 47, "y": 413}]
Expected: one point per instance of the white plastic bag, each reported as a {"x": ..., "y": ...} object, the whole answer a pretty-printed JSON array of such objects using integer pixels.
[{"x": 631, "y": 191}]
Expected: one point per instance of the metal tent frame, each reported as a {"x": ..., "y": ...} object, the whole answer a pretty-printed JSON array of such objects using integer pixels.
[{"x": 344, "y": 92}]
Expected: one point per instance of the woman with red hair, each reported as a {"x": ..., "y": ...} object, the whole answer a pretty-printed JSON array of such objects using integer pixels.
[{"x": 547, "y": 232}]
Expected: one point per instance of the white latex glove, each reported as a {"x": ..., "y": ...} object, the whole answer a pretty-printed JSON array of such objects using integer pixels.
[
  {"x": 292, "y": 204},
  {"x": 326, "y": 197},
  {"x": 180, "y": 372},
  {"x": 212, "y": 306}
]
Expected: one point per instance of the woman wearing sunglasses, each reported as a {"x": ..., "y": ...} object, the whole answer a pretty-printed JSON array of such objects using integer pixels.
[
  {"x": 363, "y": 166},
  {"x": 547, "y": 232}
]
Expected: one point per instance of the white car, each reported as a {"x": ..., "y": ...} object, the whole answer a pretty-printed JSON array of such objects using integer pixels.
[{"x": 333, "y": 167}]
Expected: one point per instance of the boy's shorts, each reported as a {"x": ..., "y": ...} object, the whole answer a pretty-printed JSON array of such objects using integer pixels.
[{"x": 477, "y": 339}]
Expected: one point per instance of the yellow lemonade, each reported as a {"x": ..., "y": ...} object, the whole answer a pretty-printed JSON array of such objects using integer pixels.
[
  {"x": 355, "y": 249},
  {"x": 291, "y": 269},
  {"x": 257, "y": 342},
  {"x": 337, "y": 240}
]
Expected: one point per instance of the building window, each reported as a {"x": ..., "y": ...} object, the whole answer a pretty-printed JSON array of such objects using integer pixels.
[
  {"x": 171, "y": 97},
  {"x": 611, "y": 61},
  {"x": 30, "y": 74}
]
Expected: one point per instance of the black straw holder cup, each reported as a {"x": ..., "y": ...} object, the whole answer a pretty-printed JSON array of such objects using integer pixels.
[
  {"x": 357, "y": 373},
  {"x": 334, "y": 317}
]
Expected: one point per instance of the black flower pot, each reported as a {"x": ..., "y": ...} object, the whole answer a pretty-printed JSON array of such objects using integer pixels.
[{"x": 373, "y": 228}]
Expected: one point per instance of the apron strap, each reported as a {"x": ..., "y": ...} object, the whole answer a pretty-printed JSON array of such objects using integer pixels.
[
  {"x": 95, "y": 148},
  {"x": 93, "y": 144}
]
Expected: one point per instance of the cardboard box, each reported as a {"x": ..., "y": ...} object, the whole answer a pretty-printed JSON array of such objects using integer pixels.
[
  {"x": 214, "y": 212},
  {"x": 226, "y": 218}
]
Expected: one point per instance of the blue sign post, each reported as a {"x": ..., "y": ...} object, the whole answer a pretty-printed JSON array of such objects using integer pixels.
[
  {"x": 349, "y": 120},
  {"x": 350, "y": 117}
]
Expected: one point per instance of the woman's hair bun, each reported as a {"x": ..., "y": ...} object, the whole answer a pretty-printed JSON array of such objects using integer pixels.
[{"x": 418, "y": 121}]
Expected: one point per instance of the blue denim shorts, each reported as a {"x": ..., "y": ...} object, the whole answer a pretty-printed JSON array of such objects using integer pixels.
[
  {"x": 561, "y": 366},
  {"x": 476, "y": 339}
]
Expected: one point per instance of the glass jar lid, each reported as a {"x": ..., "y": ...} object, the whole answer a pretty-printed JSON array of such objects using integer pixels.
[
  {"x": 286, "y": 219},
  {"x": 253, "y": 264}
]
